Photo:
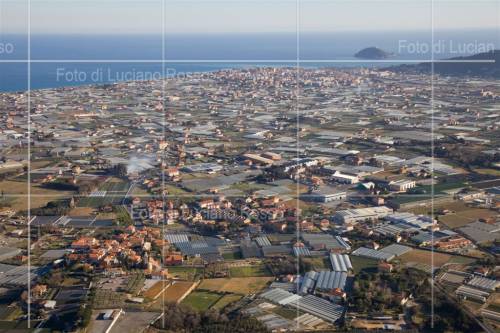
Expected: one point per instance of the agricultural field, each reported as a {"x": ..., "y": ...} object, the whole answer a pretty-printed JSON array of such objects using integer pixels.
[
  {"x": 243, "y": 286},
  {"x": 249, "y": 271},
  {"x": 81, "y": 211},
  {"x": 442, "y": 188},
  {"x": 8, "y": 313},
  {"x": 494, "y": 302},
  {"x": 185, "y": 273},
  {"x": 134, "y": 283},
  {"x": 232, "y": 255},
  {"x": 363, "y": 264},
  {"x": 464, "y": 260},
  {"x": 177, "y": 290},
  {"x": 463, "y": 215},
  {"x": 115, "y": 192},
  {"x": 17, "y": 326},
  {"x": 16, "y": 192},
  {"x": 424, "y": 257},
  {"x": 173, "y": 294},
  {"x": 490, "y": 172},
  {"x": 225, "y": 301},
  {"x": 70, "y": 281},
  {"x": 105, "y": 299},
  {"x": 140, "y": 192},
  {"x": 202, "y": 300},
  {"x": 248, "y": 187},
  {"x": 174, "y": 190},
  {"x": 155, "y": 291},
  {"x": 460, "y": 214}
]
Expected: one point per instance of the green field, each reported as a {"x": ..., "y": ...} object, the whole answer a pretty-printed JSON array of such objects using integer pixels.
[
  {"x": 442, "y": 187},
  {"x": 226, "y": 300},
  {"x": 248, "y": 187},
  {"x": 201, "y": 300},
  {"x": 359, "y": 264},
  {"x": 185, "y": 273},
  {"x": 232, "y": 255},
  {"x": 408, "y": 198},
  {"x": 439, "y": 190},
  {"x": 248, "y": 271},
  {"x": 461, "y": 260}
]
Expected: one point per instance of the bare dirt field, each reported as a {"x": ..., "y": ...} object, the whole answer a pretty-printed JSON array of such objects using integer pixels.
[
  {"x": 155, "y": 291},
  {"x": 16, "y": 194},
  {"x": 81, "y": 211},
  {"x": 424, "y": 257},
  {"x": 245, "y": 286},
  {"x": 460, "y": 215},
  {"x": 467, "y": 215},
  {"x": 173, "y": 294}
]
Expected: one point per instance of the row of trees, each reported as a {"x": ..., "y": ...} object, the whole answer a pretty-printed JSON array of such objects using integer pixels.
[
  {"x": 467, "y": 156},
  {"x": 180, "y": 318}
]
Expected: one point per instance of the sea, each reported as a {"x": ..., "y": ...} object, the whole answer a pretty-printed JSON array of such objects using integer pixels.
[{"x": 74, "y": 60}]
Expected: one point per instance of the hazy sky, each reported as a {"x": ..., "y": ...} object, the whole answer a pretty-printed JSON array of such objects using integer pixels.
[{"x": 222, "y": 16}]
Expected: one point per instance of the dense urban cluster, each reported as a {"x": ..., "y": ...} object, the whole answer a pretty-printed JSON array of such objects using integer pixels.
[{"x": 334, "y": 202}]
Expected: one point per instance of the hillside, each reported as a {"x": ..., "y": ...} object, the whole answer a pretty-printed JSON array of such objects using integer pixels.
[{"x": 480, "y": 69}]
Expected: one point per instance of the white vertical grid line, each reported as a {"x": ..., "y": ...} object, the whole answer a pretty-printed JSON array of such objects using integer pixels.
[
  {"x": 1, "y": 17},
  {"x": 162, "y": 152},
  {"x": 297, "y": 132},
  {"x": 432, "y": 163},
  {"x": 29, "y": 164}
]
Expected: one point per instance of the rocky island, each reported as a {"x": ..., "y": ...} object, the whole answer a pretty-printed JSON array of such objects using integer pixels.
[{"x": 373, "y": 53}]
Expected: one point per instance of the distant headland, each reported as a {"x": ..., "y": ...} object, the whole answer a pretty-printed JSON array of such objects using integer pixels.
[{"x": 485, "y": 65}]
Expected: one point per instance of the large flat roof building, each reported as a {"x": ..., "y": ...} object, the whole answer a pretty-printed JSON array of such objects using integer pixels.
[
  {"x": 481, "y": 232},
  {"x": 361, "y": 214},
  {"x": 324, "y": 194},
  {"x": 419, "y": 221}
]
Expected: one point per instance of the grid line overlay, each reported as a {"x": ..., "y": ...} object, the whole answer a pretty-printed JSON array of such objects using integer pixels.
[
  {"x": 163, "y": 155},
  {"x": 29, "y": 165},
  {"x": 432, "y": 162},
  {"x": 248, "y": 61},
  {"x": 297, "y": 130},
  {"x": 298, "y": 62}
]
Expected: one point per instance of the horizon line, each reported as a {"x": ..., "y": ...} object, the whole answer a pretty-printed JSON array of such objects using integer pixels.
[{"x": 368, "y": 31}]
